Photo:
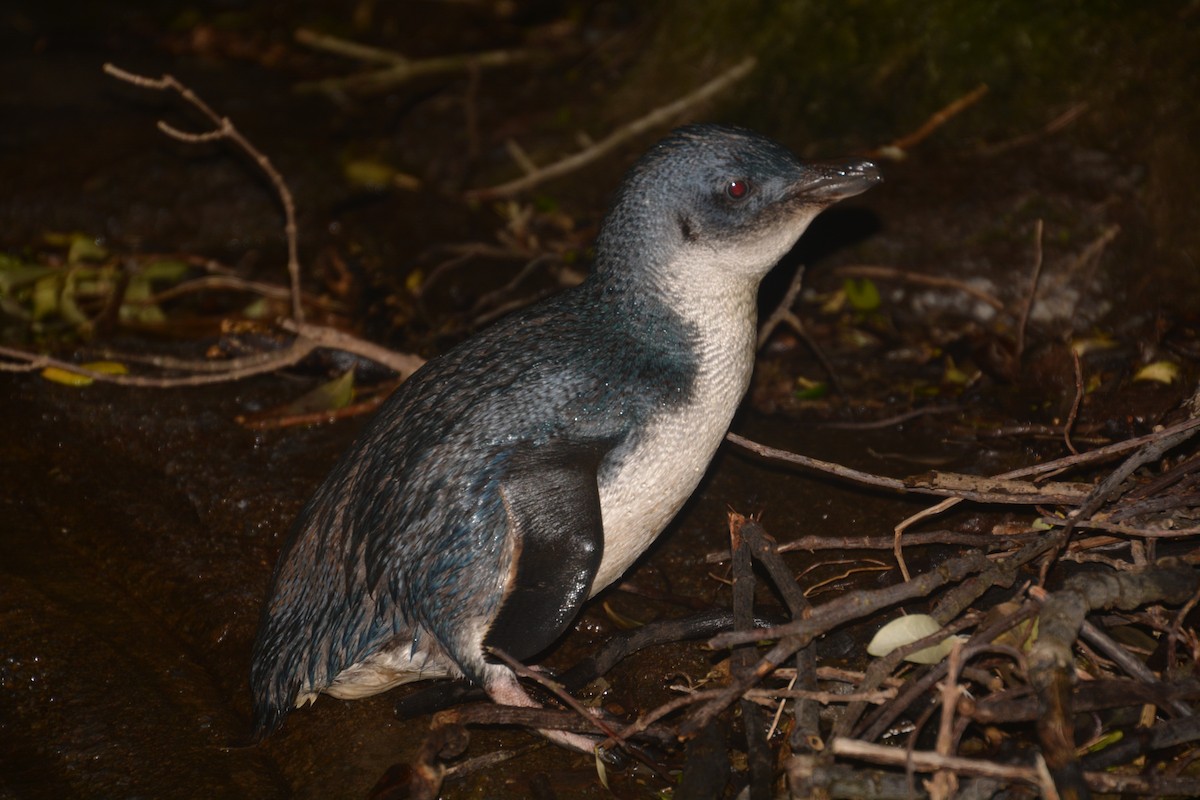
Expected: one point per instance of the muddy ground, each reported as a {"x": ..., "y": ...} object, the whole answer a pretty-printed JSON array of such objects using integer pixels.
[{"x": 139, "y": 526}]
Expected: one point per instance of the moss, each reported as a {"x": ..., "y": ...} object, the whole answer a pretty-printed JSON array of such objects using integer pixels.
[{"x": 881, "y": 67}]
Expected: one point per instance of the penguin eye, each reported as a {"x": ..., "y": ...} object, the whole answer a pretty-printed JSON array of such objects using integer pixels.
[{"x": 737, "y": 188}]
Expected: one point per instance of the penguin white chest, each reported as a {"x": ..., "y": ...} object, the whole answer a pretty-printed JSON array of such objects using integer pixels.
[{"x": 671, "y": 455}]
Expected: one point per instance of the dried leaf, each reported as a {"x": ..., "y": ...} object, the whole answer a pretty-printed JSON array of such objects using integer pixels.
[
  {"x": 906, "y": 630},
  {"x": 601, "y": 772}
]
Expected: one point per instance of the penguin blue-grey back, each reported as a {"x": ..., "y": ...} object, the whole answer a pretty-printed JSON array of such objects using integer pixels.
[{"x": 520, "y": 473}]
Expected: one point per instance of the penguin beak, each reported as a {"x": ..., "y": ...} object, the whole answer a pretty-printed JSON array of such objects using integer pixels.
[{"x": 828, "y": 183}]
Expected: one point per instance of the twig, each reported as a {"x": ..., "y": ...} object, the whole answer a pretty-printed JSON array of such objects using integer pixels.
[
  {"x": 403, "y": 364},
  {"x": 1053, "y": 126},
  {"x": 309, "y": 338},
  {"x": 999, "y": 489},
  {"x": 984, "y": 541},
  {"x": 242, "y": 367},
  {"x": 1076, "y": 403},
  {"x": 274, "y": 423},
  {"x": 1094, "y": 249},
  {"x": 397, "y": 68},
  {"x": 1132, "y": 666},
  {"x": 225, "y": 130},
  {"x": 951, "y": 605},
  {"x": 1051, "y": 667},
  {"x": 1124, "y": 530},
  {"x": 783, "y": 313},
  {"x": 945, "y": 782},
  {"x": 1176, "y": 629},
  {"x": 1019, "y": 348},
  {"x": 898, "y": 147},
  {"x": 763, "y": 548},
  {"x": 655, "y": 118},
  {"x": 891, "y": 273},
  {"x": 348, "y": 48},
  {"x": 924, "y": 761},
  {"x": 563, "y": 695},
  {"x": 888, "y": 422},
  {"x": 231, "y": 283},
  {"x": 742, "y": 660},
  {"x": 799, "y": 633},
  {"x": 1019, "y": 704}
]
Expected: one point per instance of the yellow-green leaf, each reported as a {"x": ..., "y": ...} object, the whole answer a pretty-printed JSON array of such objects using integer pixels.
[
  {"x": 69, "y": 377},
  {"x": 46, "y": 292},
  {"x": 1160, "y": 371},
  {"x": 953, "y": 375},
  {"x": 14, "y": 274},
  {"x": 1092, "y": 344},
  {"x": 85, "y": 248},
  {"x": 810, "y": 390},
  {"x": 369, "y": 173},
  {"x": 862, "y": 294},
  {"x": 168, "y": 270},
  {"x": 413, "y": 281},
  {"x": 137, "y": 307},
  {"x": 259, "y": 308},
  {"x": 329, "y": 396},
  {"x": 68, "y": 308}
]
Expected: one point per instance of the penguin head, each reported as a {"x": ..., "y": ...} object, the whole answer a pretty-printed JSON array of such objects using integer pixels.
[{"x": 712, "y": 202}]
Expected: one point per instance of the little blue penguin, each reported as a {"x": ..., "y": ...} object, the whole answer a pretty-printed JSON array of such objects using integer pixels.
[{"x": 515, "y": 476}]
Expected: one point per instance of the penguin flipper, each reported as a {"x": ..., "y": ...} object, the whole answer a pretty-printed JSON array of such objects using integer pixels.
[{"x": 552, "y": 499}]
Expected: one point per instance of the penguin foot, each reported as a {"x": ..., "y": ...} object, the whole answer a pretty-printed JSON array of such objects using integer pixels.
[
  {"x": 504, "y": 688},
  {"x": 435, "y": 697}
]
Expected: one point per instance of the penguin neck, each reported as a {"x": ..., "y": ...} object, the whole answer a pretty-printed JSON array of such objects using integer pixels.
[
  {"x": 651, "y": 283},
  {"x": 695, "y": 292}
]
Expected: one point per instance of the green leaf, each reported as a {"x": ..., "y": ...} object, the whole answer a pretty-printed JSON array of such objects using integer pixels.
[
  {"x": 135, "y": 308},
  {"x": 329, "y": 396},
  {"x": 46, "y": 293},
  {"x": 15, "y": 273},
  {"x": 167, "y": 270},
  {"x": 863, "y": 295},
  {"x": 810, "y": 390},
  {"x": 68, "y": 309},
  {"x": 85, "y": 248}
]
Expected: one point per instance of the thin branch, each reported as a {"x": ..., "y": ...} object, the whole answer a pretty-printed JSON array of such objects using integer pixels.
[
  {"x": 878, "y": 272},
  {"x": 655, "y": 118},
  {"x": 243, "y": 368},
  {"x": 1076, "y": 403},
  {"x": 397, "y": 68},
  {"x": 225, "y": 129},
  {"x": 999, "y": 489},
  {"x": 1053, "y": 126},
  {"x": 799, "y": 633},
  {"x": 403, "y": 364},
  {"x": 1033, "y": 284},
  {"x": 898, "y": 147}
]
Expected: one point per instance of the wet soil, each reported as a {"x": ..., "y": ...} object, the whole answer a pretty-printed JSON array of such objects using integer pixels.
[{"x": 138, "y": 528}]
